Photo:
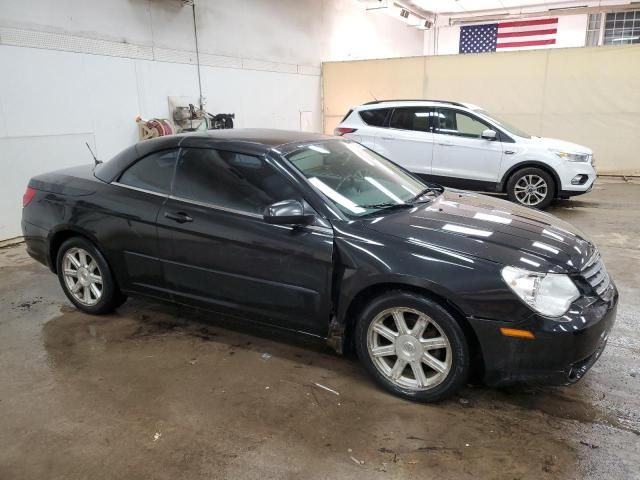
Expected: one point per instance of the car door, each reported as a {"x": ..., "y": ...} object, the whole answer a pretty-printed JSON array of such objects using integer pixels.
[
  {"x": 128, "y": 221},
  {"x": 461, "y": 157},
  {"x": 375, "y": 120},
  {"x": 408, "y": 141},
  {"x": 219, "y": 253}
]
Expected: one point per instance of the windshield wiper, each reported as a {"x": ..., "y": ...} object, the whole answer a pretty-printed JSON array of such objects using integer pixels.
[
  {"x": 426, "y": 191},
  {"x": 386, "y": 205}
]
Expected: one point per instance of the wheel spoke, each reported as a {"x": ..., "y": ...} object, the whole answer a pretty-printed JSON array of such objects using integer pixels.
[
  {"x": 74, "y": 260},
  {"x": 420, "y": 326},
  {"x": 385, "y": 331},
  {"x": 95, "y": 278},
  {"x": 95, "y": 291},
  {"x": 418, "y": 373},
  {"x": 92, "y": 266},
  {"x": 383, "y": 350},
  {"x": 86, "y": 295},
  {"x": 433, "y": 343},
  {"x": 434, "y": 363},
  {"x": 398, "y": 368},
  {"x": 83, "y": 257},
  {"x": 401, "y": 324},
  {"x": 70, "y": 272},
  {"x": 76, "y": 287}
]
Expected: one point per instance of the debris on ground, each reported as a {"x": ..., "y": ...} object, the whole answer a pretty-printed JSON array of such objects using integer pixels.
[
  {"x": 355, "y": 460},
  {"x": 590, "y": 445},
  {"x": 265, "y": 356},
  {"x": 193, "y": 361},
  {"x": 327, "y": 389},
  {"x": 463, "y": 401},
  {"x": 156, "y": 436}
]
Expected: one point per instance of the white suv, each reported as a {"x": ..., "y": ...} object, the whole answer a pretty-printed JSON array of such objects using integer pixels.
[{"x": 460, "y": 145}]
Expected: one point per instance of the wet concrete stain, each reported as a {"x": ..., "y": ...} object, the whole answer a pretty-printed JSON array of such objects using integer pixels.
[{"x": 161, "y": 391}]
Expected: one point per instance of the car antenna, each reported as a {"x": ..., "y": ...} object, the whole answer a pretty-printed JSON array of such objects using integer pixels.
[
  {"x": 374, "y": 97},
  {"x": 95, "y": 159}
]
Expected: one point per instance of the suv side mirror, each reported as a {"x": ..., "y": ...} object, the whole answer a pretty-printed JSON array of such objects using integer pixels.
[
  {"x": 287, "y": 212},
  {"x": 489, "y": 134}
]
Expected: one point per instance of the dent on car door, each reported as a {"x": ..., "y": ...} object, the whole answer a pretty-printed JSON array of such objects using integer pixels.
[
  {"x": 460, "y": 152},
  {"x": 220, "y": 253},
  {"x": 131, "y": 206}
]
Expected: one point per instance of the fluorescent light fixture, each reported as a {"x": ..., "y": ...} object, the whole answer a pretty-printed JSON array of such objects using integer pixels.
[
  {"x": 530, "y": 262},
  {"x": 318, "y": 149},
  {"x": 384, "y": 190},
  {"x": 492, "y": 218},
  {"x": 335, "y": 196},
  {"x": 466, "y": 230},
  {"x": 544, "y": 246}
]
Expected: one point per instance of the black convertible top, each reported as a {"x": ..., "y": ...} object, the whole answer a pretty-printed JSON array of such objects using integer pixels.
[{"x": 255, "y": 141}]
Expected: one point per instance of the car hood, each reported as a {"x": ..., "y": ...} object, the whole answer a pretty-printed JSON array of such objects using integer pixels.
[
  {"x": 556, "y": 144},
  {"x": 486, "y": 227}
]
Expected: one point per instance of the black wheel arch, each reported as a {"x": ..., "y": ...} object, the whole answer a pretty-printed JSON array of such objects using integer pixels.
[
  {"x": 58, "y": 236},
  {"x": 502, "y": 185}
]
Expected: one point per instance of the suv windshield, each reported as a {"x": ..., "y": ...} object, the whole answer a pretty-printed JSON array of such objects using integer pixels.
[
  {"x": 357, "y": 180},
  {"x": 501, "y": 123}
]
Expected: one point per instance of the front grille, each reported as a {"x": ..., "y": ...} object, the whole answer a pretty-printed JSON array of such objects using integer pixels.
[{"x": 596, "y": 274}]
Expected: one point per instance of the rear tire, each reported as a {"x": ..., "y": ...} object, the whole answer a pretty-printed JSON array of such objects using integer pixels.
[
  {"x": 86, "y": 278},
  {"x": 531, "y": 187},
  {"x": 412, "y": 347}
]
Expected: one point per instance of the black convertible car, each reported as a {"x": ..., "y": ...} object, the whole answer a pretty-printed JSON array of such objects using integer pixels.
[{"x": 324, "y": 237}]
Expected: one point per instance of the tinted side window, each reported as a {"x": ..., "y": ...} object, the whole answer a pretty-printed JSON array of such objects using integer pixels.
[
  {"x": 153, "y": 172},
  {"x": 414, "y": 118},
  {"x": 230, "y": 180},
  {"x": 453, "y": 122},
  {"x": 375, "y": 117}
]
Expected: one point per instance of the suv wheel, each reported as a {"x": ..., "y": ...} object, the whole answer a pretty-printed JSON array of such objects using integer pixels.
[
  {"x": 412, "y": 347},
  {"x": 86, "y": 278},
  {"x": 531, "y": 187}
]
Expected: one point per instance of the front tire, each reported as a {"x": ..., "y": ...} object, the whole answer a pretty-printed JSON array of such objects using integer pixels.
[
  {"x": 412, "y": 347},
  {"x": 531, "y": 187},
  {"x": 86, "y": 278}
]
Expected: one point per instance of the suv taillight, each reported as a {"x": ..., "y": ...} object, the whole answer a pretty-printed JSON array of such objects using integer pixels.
[
  {"x": 28, "y": 196},
  {"x": 342, "y": 130}
]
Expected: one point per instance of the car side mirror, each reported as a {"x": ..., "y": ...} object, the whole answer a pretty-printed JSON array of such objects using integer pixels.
[
  {"x": 287, "y": 212},
  {"x": 489, "y": 134}
]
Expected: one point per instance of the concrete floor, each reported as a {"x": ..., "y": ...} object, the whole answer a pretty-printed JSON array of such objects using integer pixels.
[{"x": 157, "y": 391}]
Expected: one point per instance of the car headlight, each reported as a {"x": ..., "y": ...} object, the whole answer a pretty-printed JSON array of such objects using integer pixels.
[
  {"x": 549, "y": 294},
  {"x": 572, "y": 157}
]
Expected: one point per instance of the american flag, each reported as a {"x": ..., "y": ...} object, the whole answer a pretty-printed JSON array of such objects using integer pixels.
[{"x": 502, "y": 36}]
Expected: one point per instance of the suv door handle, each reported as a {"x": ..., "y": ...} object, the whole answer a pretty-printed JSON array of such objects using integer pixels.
[
  {"x": 387, "y": 138},
  {"x": 179, "y": 217},
  {"x": 446, "y": 144},
  {"x": 509, "y": 152}
]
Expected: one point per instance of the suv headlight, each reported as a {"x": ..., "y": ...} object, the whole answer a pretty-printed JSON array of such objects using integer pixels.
[
  {"x": 549, "y": 294},
  {"x": 571, "y": 157}
]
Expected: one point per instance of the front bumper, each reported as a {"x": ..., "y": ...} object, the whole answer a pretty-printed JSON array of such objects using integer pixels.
[{"x": 561, "y": 353}]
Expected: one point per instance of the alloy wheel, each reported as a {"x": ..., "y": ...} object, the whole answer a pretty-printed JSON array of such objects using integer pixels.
[
  {"x": 531, "y": 189},
  {"x": 82, "y": 276},
  {"x": 409, "y": 348}
]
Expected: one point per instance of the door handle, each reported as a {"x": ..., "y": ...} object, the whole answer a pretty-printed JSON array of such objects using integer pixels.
[
  {"x": 179, "y": 217},
  {"x": 387, "y": 138},
  {"x": 509, "y": 152},
  {"x": 446, "y": 144}
]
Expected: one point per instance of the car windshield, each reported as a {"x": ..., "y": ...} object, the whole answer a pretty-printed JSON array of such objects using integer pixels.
[
  {"x": 357, "y": 180},
  {"x": 501, "y": 123}
]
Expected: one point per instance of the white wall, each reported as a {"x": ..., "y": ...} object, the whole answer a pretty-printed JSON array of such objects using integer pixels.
[
  {"x": 445, "y": 39},
  {"x": 81, "y": 70}
]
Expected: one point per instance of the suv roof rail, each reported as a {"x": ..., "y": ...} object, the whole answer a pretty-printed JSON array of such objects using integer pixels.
[{"x": 374, "y": 102}]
